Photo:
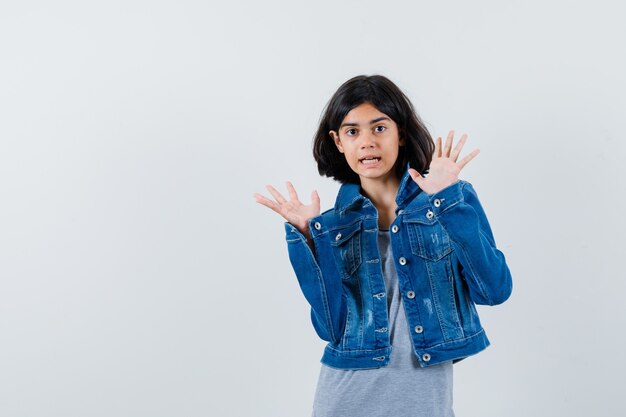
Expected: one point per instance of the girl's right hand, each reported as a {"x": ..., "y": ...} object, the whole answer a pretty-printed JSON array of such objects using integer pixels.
[{"x": 293, "y": 211}]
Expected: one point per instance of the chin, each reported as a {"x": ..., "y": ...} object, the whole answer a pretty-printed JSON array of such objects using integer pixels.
[{"x": 372, "y": 174}]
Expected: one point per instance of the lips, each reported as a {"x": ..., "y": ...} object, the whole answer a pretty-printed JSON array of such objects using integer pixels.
[
  {"x": 370, "y": 161},
  {"x": 369, "y": 157}
]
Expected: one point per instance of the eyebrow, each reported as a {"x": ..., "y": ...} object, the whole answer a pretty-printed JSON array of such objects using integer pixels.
[{"x": 371, "y": 122}]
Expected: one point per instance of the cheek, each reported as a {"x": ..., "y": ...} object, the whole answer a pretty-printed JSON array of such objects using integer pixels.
[{"x": 352, "y": 159}]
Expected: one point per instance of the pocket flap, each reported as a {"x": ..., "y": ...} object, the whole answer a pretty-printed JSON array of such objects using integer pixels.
[
  {"x": 343, "y": 234},
  {"x": 421, "y": 217}
]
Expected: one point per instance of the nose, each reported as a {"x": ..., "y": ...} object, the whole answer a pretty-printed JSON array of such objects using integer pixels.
[{"x": 368, "y": 140}]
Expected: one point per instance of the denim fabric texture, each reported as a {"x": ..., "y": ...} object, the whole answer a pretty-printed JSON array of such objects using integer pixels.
[{"x": 446, "y": 260}]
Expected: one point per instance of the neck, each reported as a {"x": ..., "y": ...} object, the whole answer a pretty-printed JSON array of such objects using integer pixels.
[{"x": 381, "y": 192}]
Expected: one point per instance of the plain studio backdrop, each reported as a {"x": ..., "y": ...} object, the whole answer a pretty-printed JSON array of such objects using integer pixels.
[{"x": 138, "y": 276}]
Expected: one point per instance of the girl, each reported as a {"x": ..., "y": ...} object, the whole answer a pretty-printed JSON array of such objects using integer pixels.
[{"x": 393, "y": 271}]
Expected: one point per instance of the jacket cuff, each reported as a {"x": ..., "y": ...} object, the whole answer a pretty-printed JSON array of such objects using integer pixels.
[
  {"x": 292, "y": 233},
  {"x": 446, "y": 198}
]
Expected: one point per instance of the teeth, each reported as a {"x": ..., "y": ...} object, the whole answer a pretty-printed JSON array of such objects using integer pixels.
[{"x": 370, "y": 161}]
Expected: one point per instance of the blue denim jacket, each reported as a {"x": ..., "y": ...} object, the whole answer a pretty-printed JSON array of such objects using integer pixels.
[{"x": 446, "y": 260}]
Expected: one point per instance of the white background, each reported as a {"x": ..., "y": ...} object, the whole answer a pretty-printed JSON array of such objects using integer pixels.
[{"x": 138, "y": 276}]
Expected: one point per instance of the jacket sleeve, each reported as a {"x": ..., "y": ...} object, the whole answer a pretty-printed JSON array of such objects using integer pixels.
[
  {"x": 458, "y": 209},
  {"x": 323, "y": 291}
]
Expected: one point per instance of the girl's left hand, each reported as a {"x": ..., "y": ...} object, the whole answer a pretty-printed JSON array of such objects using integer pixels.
[{"x": 444, "y": 170}]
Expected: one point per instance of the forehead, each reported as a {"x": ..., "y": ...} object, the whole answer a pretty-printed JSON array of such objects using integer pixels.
[
  {"x": 362, "y": 112},
  {"x": 365, "y": 114}
]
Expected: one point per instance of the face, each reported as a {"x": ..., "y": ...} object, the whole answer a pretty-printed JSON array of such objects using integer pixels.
[{"x": 370, "y": 142}]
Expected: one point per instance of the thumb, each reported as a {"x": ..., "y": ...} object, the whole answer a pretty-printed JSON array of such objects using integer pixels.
[
  {"x": 315, "y": 198},
  {"x": 416, "y": 176}
]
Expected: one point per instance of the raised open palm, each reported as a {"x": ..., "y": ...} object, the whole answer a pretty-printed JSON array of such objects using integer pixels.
[
  {"x": 293, "y": 210},
  {"x": 444, "y": 169}
]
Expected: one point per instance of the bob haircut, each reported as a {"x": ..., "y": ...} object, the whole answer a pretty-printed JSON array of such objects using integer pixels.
[{"x": 388, "y": 99}]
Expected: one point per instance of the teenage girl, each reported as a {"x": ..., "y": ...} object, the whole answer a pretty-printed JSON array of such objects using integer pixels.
[{"x": 368, "y": 133}]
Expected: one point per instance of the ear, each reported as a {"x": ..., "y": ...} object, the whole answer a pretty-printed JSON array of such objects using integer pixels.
[
  {"x": 401, "y": 140},
  {"x": 336, "y": 139}
]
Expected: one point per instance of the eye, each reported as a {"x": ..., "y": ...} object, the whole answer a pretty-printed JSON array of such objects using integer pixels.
[
  {"x": 350, "y": 130},
  {"x": 381, "y": 126}
]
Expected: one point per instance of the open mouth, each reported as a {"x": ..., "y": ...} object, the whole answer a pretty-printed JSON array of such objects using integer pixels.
[{"x": 369, "y": 160}]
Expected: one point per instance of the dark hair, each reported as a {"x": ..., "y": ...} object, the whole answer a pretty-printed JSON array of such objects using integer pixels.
[{"x": 388, "y": 99}]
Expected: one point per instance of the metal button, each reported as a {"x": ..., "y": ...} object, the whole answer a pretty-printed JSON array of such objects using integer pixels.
[
  {"x": 402, "y": 260},
  {"x": 318, "y": 225},
  {"x": 338, "y": 236},
  {"x": 394, "y": 228},
  {"x": 410, "y": 294},
  {"x": 419, "y": 329},
  {"x": 430, "y": 214},
  {"x": 426, "y": 357},
  {"x": 437, "y": 202}
]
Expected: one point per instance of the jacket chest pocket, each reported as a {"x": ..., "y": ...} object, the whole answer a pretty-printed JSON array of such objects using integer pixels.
[
  {"x": 428, "y": 239},
  {"x": 346, "y": 244}
]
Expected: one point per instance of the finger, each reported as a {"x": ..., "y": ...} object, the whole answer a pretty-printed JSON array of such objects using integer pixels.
[
  {"x": 292, "y": 192},
  {"x": 446, "y": 148},
  {"x": 278, "y": 196},
  {"x": 457, "y": 149},
  {"x": 266, "y": 202},
  {"x": 468, "y": 158},
  {"x": 437, "y": 152}
]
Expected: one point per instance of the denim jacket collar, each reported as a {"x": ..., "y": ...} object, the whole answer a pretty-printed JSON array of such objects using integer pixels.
[{"x": 350, "y": 197}]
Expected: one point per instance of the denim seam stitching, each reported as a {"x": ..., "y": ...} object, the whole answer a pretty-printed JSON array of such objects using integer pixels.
[
  {"x": 436, "y": 302},
  {"x": 357, "y": 350},
  {"x": 457, "y": 340},
  {"x": 320, "y": 279},
  {"x": 346, "y": 327},
  {"x": 454, "y": 203},
  {"x": 479, "y": 281},
  {"x": 450, "y": 205},
  {"x": 457, "y": 314},
  {"x": 360, "y": 334}
]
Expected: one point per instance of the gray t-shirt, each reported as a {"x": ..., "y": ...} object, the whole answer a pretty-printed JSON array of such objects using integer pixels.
[{"x": 400, "y": 389}]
